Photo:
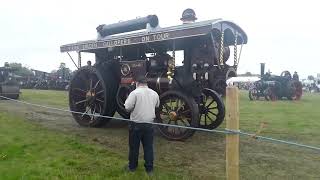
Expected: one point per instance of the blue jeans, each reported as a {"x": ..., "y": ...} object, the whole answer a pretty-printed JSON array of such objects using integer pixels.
[{"x": 140, "y": 132}]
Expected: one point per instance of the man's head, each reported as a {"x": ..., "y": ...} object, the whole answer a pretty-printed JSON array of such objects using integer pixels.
[
  {"x": 141, "y": 81},
  {"x": 188, "y": 16}
]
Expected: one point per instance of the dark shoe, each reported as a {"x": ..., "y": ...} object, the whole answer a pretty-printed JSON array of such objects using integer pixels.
[
  {"x": 150, "y": 173},
  {"x": 127, "y": 169}
]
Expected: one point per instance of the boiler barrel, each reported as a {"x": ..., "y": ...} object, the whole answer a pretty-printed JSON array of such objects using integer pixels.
[{"x": 126, "y": 26}]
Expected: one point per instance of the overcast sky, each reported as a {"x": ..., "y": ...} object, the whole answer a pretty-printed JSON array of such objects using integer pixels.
[{"x": 283, "y": 34}]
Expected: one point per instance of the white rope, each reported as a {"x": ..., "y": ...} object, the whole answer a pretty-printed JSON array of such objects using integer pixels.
[{"x": 117, "y": 118}]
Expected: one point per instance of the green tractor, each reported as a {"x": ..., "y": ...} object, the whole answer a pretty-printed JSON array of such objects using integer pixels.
[
  {"x": 273, "y": 87},
  {"x": 9, "y": 86}
]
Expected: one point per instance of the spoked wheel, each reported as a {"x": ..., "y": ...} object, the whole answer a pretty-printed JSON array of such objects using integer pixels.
[
  {"x": 295, "y": 90},
  {"x": 177, "y": 109},
  {"x": 253, "y": 94},
  {"x": 122, "y": 95},
  {"x": 88, "y": 95},
  {"x": 212, "y": 110},
  {"x": 270, "y": 94},
  {"x": 286, "y": 74}
]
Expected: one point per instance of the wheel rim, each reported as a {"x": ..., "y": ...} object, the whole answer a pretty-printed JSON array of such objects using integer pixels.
[
  {"x": 212, "y": 110},
  {"x": 122, "y": 95},
  {"x": 87, "y": 95},
  {"x": 253, "y": 94},
  {"x": 295, "y": 90},
  {"x": 270, "y": 94},
  {"x": 176, "y": 110}
]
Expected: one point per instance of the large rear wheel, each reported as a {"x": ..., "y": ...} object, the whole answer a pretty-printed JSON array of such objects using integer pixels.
[
  {"x": 89, "y": 94},
  {"x": 295, "y": 90}
]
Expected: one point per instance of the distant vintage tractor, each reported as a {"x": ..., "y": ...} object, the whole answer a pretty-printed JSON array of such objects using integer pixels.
[
  {"x": 272, "y": 87},
  {"x": 188, "y": 93},
  {"x": 28, "y": 82},
  {"x": 60, "y": 79},
  {"x": 42, "y": 79},
  {"x": 9, "y": 86}
]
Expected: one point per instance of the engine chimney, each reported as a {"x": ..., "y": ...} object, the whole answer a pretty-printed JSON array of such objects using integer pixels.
[{"x": 262, "y": 65}]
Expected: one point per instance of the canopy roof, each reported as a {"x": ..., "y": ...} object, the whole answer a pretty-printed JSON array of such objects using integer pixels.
[{"x": 163, "y": 34}]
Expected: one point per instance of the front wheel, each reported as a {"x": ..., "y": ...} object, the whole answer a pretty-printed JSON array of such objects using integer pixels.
[
  {"x": 212, "y": 110},
  {"x": 122, "y": 95},
  {"x": 253, "y": 94},
  {"x": 176, "y": 108},
  {"x": 89, "y": 94}
]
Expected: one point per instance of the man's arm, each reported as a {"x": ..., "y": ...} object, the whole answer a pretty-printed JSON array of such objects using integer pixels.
[
  {"x": 130, "y": 102},
  {"x": 158, "y": 101}
]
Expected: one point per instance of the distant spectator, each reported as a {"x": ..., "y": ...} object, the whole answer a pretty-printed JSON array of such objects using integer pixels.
[{"x": 295, "y": 76}]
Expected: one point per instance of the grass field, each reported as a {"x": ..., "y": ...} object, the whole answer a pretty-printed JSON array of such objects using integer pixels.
[
  {"x": 32, "y": 151},
  {"x": 29, "y": 151},
  {"x": 46, "y": 97}
]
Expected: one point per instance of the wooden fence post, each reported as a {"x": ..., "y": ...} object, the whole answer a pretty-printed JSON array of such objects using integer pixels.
[{"x": 232, "y": 140}]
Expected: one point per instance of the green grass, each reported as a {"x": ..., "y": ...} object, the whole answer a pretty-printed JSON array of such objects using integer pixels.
[
  {"x": 296, "y": 120},
  {"x": 46, "y": 97},
  {"x": 29, "y": 151},
  {"x": 200, "y": 157}
]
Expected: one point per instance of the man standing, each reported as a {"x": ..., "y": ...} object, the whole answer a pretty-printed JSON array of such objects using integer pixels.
[
  {"x": 295, "y": 76},
  {"x": 141, "y": 103},
  {"x": 88, "y": 63},
  {"x": 188, "y": 16}
]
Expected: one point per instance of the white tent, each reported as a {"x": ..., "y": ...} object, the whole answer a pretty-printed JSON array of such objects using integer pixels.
[{"x": 242, "y": 79}]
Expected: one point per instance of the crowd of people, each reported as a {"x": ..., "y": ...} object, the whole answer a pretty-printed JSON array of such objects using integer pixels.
[{"x": 311, "y": 85}]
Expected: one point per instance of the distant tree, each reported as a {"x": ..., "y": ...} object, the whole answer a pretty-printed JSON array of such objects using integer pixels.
[
  {"x": 62, "y": 65},
  {"x": 63, "y": 71},
  {"x": 310, "y": 77},
  {"x": 248, "y": 74},
  {"x": 21, "y": 70}
]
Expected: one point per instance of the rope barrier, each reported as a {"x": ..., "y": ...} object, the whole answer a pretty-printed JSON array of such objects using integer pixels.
[
  {"x": 279, "y": 141},
  {"x": 224, "y": 131},
  {"x": 116, "y": 118}
]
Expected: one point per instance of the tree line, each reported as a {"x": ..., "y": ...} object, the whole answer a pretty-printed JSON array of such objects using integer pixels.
[{"x": 62, "y": 71}]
